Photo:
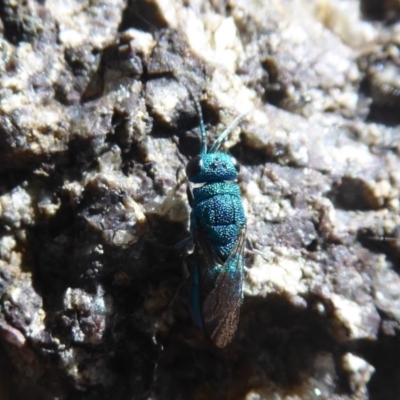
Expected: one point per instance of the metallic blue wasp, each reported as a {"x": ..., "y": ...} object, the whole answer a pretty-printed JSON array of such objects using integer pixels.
[{"x": 218, "y": 228}]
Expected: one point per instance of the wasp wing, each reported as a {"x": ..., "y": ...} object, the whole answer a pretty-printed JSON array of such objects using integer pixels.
[{"x": 221, "y": 287}]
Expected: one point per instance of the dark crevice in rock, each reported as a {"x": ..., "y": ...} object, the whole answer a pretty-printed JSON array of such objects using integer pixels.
[
  {"x": 380, "y": 245},
  {"x": 383, "y": 355},
  {"x": 142, "y": 15},
  {"x": 250, "y": 156},
  {"x": 352, "y": 194},
  {"x": 276, "y": 343}
]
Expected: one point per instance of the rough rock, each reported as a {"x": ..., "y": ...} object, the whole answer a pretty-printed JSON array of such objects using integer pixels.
[{"x": 97, "y": 121}]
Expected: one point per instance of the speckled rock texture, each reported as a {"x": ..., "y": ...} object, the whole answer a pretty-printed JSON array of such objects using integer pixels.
[{"x": 97, "y": 122}]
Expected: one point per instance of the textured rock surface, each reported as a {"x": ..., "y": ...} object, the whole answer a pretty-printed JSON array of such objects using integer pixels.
[{"x": 97, "y": 121}]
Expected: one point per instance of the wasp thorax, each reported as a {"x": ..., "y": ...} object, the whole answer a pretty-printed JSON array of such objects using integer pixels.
[{"x": 212, "y": 167}]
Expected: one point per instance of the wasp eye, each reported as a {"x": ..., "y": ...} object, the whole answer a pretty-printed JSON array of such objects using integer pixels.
[
  {"x": 236, "y": 164},
  {"x": 193, "y": 167}
]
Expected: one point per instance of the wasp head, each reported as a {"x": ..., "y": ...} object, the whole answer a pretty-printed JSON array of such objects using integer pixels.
[{"x": 212, "y": 167}]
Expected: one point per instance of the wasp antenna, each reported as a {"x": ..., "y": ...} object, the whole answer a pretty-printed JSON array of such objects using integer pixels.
[
  {"x": 227, "y": 131},
  {"x": 143, "y": 23},
  {"x": 203, "y": 149},
  {"x": 384, "y": 238},
  {"x": 203, "y": 136}
]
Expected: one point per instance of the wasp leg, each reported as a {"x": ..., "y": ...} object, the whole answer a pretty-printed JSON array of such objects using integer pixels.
[{"x": 195, "y": 300}]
